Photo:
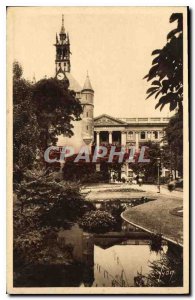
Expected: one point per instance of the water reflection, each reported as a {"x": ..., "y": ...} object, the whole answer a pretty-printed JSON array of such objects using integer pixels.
[
  {"x": 119, "y": 265},
  {"x": 110, "y": 261}
]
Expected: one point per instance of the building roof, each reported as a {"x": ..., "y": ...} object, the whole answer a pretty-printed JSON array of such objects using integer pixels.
[
  {"x": 106, "y": 119},
  {"x": 74, "y": 85},
  {"x": 87, "y": 84}
]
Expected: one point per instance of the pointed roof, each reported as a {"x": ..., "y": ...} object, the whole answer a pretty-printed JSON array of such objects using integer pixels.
[
  {"x": 62, "y": 28},
  {"x": 87, "y": 84},
  {"x": 74, "y": 85}
]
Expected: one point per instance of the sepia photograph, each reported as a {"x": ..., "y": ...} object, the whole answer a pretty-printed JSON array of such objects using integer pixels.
[{"x": 98, "y": 150}]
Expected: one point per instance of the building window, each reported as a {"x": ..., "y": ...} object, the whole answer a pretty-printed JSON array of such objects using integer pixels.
[
  {"x": 155, "y": 135},
  {"x": 143, "y": 135},
  {"x": 87, "y": 114},
  {"x": 87, "y": 128},
  {"x": 130, "y": 135}
]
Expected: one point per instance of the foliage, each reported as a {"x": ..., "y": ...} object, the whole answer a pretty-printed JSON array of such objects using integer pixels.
[
  {"x": 44, "y": 203},
  {"x": 164, "y": 272},
  {"x": 166, "y": 72},
  {"x": 167, "y": 272},
  {"x": 56, "y": 107},
  {"x": 77, "y": 171},
  {"x": 149, "y": 169},
  {"x": 84, "y": 172},
  {"x": 97, "y": 221},
  {"x": 115, "y": 208},
  {"x": 174, "y": 137},
  {"x": 156, "y": 242},
  {"x": 171, "y": 186},
  {"x": 42, "y": 111},
  {"x": 25, "y": 127}
]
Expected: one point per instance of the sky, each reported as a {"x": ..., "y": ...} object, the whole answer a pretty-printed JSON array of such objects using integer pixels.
[{"x": 113, "y": 44}]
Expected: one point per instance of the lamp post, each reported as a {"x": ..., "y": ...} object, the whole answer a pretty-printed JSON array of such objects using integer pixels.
[{"x": 158, "y": 165}]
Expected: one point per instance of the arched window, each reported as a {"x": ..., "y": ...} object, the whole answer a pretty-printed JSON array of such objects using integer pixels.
[
  {"x": 87, "y": 128},
  {"x": 87, "y": 114},
  {"x": 143, "y": 135}
]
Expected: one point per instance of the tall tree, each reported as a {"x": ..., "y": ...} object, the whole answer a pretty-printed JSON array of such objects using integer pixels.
[
  {"x": 174, "y": 137},
  {"x": 25, "y": 126},
  {"x": 56, "y": 107},
  {"x": 42, "y": 111},
  {"x": 166, "y": 72}
]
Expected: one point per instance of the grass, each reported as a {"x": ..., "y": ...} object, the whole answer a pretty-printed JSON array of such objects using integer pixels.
[{"x": 156, "y": 216}]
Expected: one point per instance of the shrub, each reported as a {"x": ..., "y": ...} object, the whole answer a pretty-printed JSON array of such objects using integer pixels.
[
  {"x": 123, "y": 180},
  {"x": 98, "y": 221},
  {"x": 171, "y": 186}
]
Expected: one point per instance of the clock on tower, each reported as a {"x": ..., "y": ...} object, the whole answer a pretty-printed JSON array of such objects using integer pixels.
[{"x": 60, "y": 76}]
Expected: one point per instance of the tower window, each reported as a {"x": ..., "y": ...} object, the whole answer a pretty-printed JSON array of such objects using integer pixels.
[
  {"x": 87, "y": 128},
  {"x": 87, "y": 114}
]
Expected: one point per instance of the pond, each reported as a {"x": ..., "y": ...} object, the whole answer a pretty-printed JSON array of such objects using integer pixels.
[
  {"x": 123, "y": 257},
  {"x": 111, "y": 260}
]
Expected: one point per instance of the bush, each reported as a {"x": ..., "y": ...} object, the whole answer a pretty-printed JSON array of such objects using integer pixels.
[
  {"x": 98, "y": 221},
  {"x": 171, "y": 186},
  {"x": 179, "y": 183},
  {"x": 43, "y": 205},
  {"x": 96, "y": 177},
  {"x": 123, "y": 180}
]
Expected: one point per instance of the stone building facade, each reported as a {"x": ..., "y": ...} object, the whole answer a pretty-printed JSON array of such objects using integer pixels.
[
  {"x": 103, "y": 129},
  {"x": 128, "y": 131}
]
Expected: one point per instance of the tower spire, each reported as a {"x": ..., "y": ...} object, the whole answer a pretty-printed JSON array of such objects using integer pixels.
[
  {"x": 62, "y": 28},
  {"x": 87, "y": 84}
]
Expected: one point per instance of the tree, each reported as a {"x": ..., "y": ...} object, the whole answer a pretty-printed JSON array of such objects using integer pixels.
[
  {"x": 44, "y": 205},
  {"x": 25, "y": 126},
  {"x": 174, "y": 137},
  {"x": 42, "y": 111},
  {"x": 148, "y": 169},
  {"x": 56, "y": 107},
  {"x": 166, "y": 72}
]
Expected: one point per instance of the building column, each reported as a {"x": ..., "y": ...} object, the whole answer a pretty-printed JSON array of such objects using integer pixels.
[
  {"x": 97, "y": 138},
  {"x": 123, "y": 138},
  {"x": 149, "y": 135},
  {"x": 152, "y": 137},
  {"x": 136, "y": 140},
  {"x": 110, "y": 137}
]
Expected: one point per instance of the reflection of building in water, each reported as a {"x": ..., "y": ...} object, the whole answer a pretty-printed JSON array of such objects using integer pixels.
[{"x": 118, "y": 265}]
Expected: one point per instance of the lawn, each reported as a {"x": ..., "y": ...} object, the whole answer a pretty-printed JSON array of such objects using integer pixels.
[{"x": 156, "y": 217}]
